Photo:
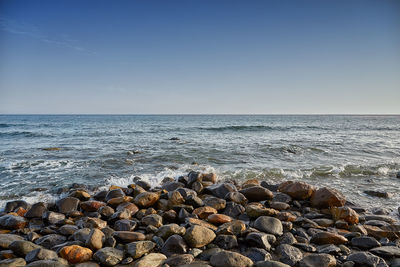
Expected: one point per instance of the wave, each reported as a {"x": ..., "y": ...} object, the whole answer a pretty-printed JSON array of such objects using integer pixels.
[
  {"x": 259, "y": 128},
  {"x": 24, "y": 134}
]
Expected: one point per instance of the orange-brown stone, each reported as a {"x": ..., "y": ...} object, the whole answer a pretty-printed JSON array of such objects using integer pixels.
[
  {"x": 146, "y": 199},
  {"x": 21, "y": 211},
  {"x": 297, "y": 190},
  {"x": 92, "y": 205},
  {"x": 204, "y": 212},
  {"x": 327, "y": 197},
  {"x": 76, "y": 254},
  {"x": 218, "y": 218},
  {"x": 234, "y": 227},
  {"x": 286, "y": 216},
  {"x": 195, "y": 221},
  {"x": 344, "y": 213},
  {"x": 323, "y": 238}
]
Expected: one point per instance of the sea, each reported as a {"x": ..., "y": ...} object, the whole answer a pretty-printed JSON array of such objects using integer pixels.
[{"x": 42, "y": 154}]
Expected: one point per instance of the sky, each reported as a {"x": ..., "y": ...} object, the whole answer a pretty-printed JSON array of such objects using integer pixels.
[{"x": 199, "y": 56}]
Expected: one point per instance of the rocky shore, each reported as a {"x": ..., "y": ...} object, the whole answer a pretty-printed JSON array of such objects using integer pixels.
[{"x": 196, "y": 221}]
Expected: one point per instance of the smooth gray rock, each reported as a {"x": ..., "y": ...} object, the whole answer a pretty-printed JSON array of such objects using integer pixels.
[
  {"x": 289, "y": 254},
  {"x": 386, "y": 251},
  {"x": 175, "y": 244},
  {"x": 365, "y": 242},
  {"x": 258, "y": 240},
  {"x": 109, "y": 256},
  {"x": 139, "y": 248},
  {"x": 269, "y": 225},
  {"x": 318, "y": 260},
  {"x": 230, "y": 259}
]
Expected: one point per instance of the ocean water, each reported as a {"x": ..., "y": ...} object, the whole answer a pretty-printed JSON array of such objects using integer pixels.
[{"x": 349, "y": 153}]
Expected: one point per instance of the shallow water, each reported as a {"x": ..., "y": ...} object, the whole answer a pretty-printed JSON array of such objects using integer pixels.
[{"x": 350, "y": 153}]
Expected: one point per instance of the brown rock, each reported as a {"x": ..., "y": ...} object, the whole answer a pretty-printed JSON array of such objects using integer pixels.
[
  {"x": 198, "y": 236},
  {"x": 13, "y": 222},
  {"x": 344, "y": 213},
  {"x": 257, "y": 193},
  {"x": 91, "y": 205},
  {"x": 218, "y": 218},
  {"x": 95, "y": 239},
  {"x": 76, "y": 254},
  {"x": 204, "y": 212},
  {"x": 326, "y": 197},
  {"x": 323, "y": 238},
  {"x": 297, "y": 190},
  {"x": 194, "y": 221},
  {"x": 146, "y": 199},
  {"x": 235, "y": 227},
  {"x": 255, "y": 210},
  {"x": 126, "y": 236},
  {"x": 286, "y": 216}
]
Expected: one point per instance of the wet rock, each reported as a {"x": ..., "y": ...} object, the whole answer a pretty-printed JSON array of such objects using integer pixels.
[
  {"x": 36, "y": 211},
  {"x": 270, "y": 263},
  {"x": 80, "y": 194},
  {"x": 7, "y": 239},
  {"x": 226, "y": 241},
  {"x": 365, "y": 242},
  {"x": 171, "y": 186},
  {"x": 179, "y": 260},
  {"x": 365, "y": 259},
  {"x": 198, "y": 236},
  {"x": 49, "y": 241},
  {"x": 13, "y": 205},
  {"x": 76, "y": 254},
  {"x": 230, "y": 259},
  {"x": 269, "y": 225},
  {"x": 318, "y": 260},
  {"x": 12, "y": 222},
  {"x": 378, "y": 194},
  {"x": 68, "y": 229},
  {"x": 297, "y": 190},
  {"x": 151, "y": 260},
  {"x": 287, "y": 238},
  {"x": 41, "y": 254},
  {"x": 344, "y": 213},
  {"x": 22, "y": 247},
  {"x": 91, "y": 205},
  {"x": 288, "y": 254},
  {"x": 235, "y": 227},
  {"x": 258, "y": 240},
  {"x": 194, "y": 221},
  {"x": 174, "y": 245},
  {"x": 108, "y": 256},
  {"x": 127, "y": 237},
  {"x": 328, "y": 238},
  {"x": 146, "y": 199},
  {"x": 139, "y": 248},
  {"x": 67, "y": 205},
  {"x": 115, "y": 193},
  {"x": 279, "y": 205},
  {"x": 95, "y": 239},
  {"x": 17, "y": 262},
  {"x": 386, "y": 251},
  {"x": 257, "y": 193},
  {"x": 327, "y": 197}
]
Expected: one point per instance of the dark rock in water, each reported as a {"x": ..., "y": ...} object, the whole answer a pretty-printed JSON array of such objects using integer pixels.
[
  {"x": 171, "y": 186},
  {"x": 67, "y": 205},
  {"x": 114, "y": 194},
  {"x": 318, "y": 260},
  {"x": 272, "y": 187},
  {"x": 220, "y": 190},
  {"x": 258, "y": 240},
  {"x": 179, "y": 260},
  {"x": 22, "y": 247},
  {"x": 297, "y": 190},
  {"x": 108, "y": 256},
  {"x": 378, "y": 194},
  {"x": 229, "y": 258},
  {"x": 12, "y": 222},
  {"x": 366, "y": 259},
  {"x": 398, "y": 175},
  {"x": 36, "y": 211},
  {"x": 174, "y": 245},
  {"x": 289, "y": 254},
  {"x": 216, "y": 203},
  {"x": 257, "y": 254},
  {"x": 17, "y": 262},
  {"x": 49, "y": 241},
  {"x": 145, "y": 185},
  {"x": 257, "y": 193},
  {"x": 327, "y": 197},
  {"x": 226, "y": 241},
  {"x": 269, "y": 225},
  {"x": 139, "y": 248},
  {"x": 365, "y": 242},
  {"x": 387, "y": 251},
  {"x": 270, "y": 263},
  {"x": 13, "y": 205},
  {"x": 174, "y": 139}
]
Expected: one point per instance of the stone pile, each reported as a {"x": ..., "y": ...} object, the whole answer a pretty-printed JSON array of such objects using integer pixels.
[{"x": 195, "y": 221}]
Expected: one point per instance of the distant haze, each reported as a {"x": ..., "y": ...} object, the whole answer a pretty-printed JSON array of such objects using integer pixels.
[{"x": 238, "y": 57}]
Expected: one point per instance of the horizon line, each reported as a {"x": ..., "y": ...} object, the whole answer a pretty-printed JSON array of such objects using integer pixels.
[{"x": 203, "y": 114}]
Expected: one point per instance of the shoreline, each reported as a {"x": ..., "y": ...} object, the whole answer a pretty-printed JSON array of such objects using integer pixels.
[{"x": 197, "y": 221}]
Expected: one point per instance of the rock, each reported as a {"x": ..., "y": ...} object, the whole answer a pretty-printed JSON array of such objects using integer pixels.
[
  {"x": 259, "y": 240},
  {"x": 365, "y": 242},
  {"x": 326, "y": 197},
  {"x": 289, "y": 254},
  {"x": 125, "y": 225},
  {"x": 322, "y": 238},
  {"x": 214, "y": 202},
  {"x": 220, "y": 190},
  {"x": 179, "y": 260},
  {"x": 198, "y": 236},
  {"x": 234, "y": 210},
  {"x": 174, "y": 245},
  {"x": 17, "y": 262},
  {"x": 59, "y": 262},
  {"x": 115, "y": 193},
  {"x": 236, "y": 197},
  {"x": 235, "y": 227},
  {"x": 171, "y": 186},
  {"x": 95, "y": 239},
  {"x": 230, "y": 259},
  {"x": 218, "y": 219},
  {"x": 194, "y": 221},
  {"x": 226, "y": 241},
  {"x": 168, "y": 230},
  {"x": 7, "y": 239},
  {"x": 151, "y": 260},
  {"x": 108, "y": 256},
  {"x": 269, "y": 225},
  {"x": 270, "y": 263},
  {"x": 127, "y": 237},
  {"x": 36, "y": 211},
  {"x": 256, "y": 209},
  {"x": 386, "y": 251},
  {"x": 13, "y": 222},
  {"x": 91, "y": 205},
  {"x": 207, "y": 253},
  {"x": 49, "y": 241},
  {"x": 257, "y": 254},
  {"x": 344, "y": 213},
  {"x": 329, "y": 249},
  {"x": 53, "y": 217},
  {"x": 41, "y": 254},
  {"x": 318, "y": 260},
  {"x": 76, "y": 254},
  {"x": 81, "y": 235},
  {"x": 257, "y": 193},
  {"x": 365, "y": 259},
  {"x": 67, "y": 205},
  {"x": 378, "y": 194},
  {"x": 398, "y": 175},
  {"x": 152, "y": 219},
  {"x": 297, "y": 190},
  {"x": 139, "y": 248},
  {"x": 22, "y": 247},
  {"x": 13, "y": 205},
  {"x": 80, "y": 194},
  {"x": 146, "y": 199},
  {"x": 68, "y": 229},
  {"x": 204, "y": 212}
]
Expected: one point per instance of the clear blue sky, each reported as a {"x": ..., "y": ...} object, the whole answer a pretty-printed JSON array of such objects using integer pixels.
[{"x": 199, "y": 56}]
